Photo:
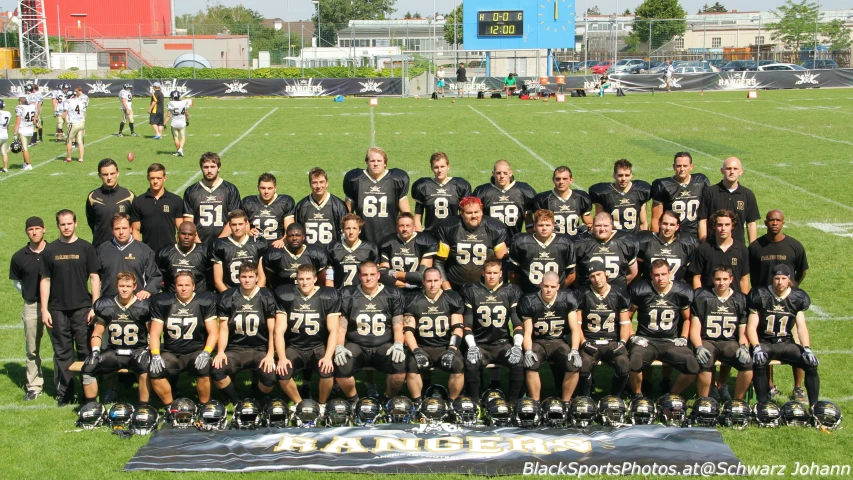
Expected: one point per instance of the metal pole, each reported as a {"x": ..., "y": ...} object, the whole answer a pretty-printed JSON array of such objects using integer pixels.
[
  {"x": 319, "y": 28},
  {"x": 455, "y": 39},
  {"x": 249, "y": 53},
  {"x": 302, "y": 52},
  {"x": 86, "y": 53},
  {"x": 651, "y": 24},
  {"x": 816, "y": 17},
  {"x": 289, "y": 41},
  {"x": 193, "y": 25},
  {"x": 585, "y": 38},
  {"x": 58, "y": 31},
  {"x": 139, "y": 31}
]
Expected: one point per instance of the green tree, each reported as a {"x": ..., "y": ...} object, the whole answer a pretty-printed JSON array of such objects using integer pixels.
[
  {"x": 336, "y": 14},
  {"x": 796, "y": 25},
  {"x": 836, "y": 35},
  {"x": 408, "y": 16},
  {"x": 418, "y": 15},
  {"x": 627, "y": 11},
  {"x": 453, "y": 23},
  {"x": 593, "y": 11},
  {"x": 663, "y": 31},
  {"x": 717, "y": 7}
]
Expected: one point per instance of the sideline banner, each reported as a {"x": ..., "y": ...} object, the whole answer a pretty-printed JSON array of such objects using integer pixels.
[{"x": 416, "y": 449}]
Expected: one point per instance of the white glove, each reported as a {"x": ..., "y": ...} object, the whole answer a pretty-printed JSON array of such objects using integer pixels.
[
  {"x": 397, "y": 353},
  {"x": 530, "y": 358},
  {"x": 575, "y": 358},
  {"x": 341, "y": 355},
  {"x": 638, "y": 340},
  {"x": 157, "y": 365}
]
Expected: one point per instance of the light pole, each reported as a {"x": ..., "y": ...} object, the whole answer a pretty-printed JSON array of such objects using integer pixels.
[{"x": 319, "y": 30}]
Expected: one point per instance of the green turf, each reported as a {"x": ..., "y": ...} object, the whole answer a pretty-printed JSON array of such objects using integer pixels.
[{"x": 794, "y": 145}]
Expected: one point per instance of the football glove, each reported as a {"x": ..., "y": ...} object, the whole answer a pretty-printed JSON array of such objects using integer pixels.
[
  {"x": 421, "y": 358},
  {"x": 575, "y": 358},
  {"x": 342, "y": 354},
  {"x": 397, "y": 353},
  {"x": 808, "y": 356},
  {"x": 742, "y": 355},
  {"x": 530, "y": 358},
  {"x": 143, "y": 357},
  {"x": 446, "y": 359},
  {"x": 620, "y": 347},
  {"x": 759, "y": 356},
  {"x": 703, "y": 355},
  {"x": 93, "y": 357},
  {"x": 202, "y": 360},
  {"x": 514, "y": 354},
  {"x": 638, "y": 340},
  {"x": 157, "y": 365},
  {"x": 473, "y": 355},
  {"x": 680, "y": 342},
  {"x": 589, "y": 347}
]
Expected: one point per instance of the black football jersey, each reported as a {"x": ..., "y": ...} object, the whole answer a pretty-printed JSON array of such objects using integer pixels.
[
  {"x": 436, "y": 201},
  {"x": 184, "y": 324},
  {"x": 432, "y": 317},
  {"x": 232, "y": 254},
  {"x": 719, "y": 317},
  {"x": 677, "y": 253},
  {"x": 533, "y": 259},
  {"x": 568, "y": 213},
  {"x": 491, "y": 311},
  {"x": 507, "y": 206},
  {"x": 126, "y": 326},
  {"x": 600, "y": 314},
  {"x": 777, "y": 316},
  {"x": 345, "y": 261},
  {"x": 376, "y": 201},
  {"x": 280, "y": 265},
  {"x": 370, "y": 318},
  {"x": 321, "y": 221},
  {"x": 406, "y": 256},
  {"x": 247, "y": 317},
  {"x": 617, "y": 254},
  {"x": 210, "y": 207},
  {"x": 306, "y": 316},
  {"x": 659, "y": 314},
  {"x": 171, "y": 260},
  {"x": 550, "y": 320},
  {"x": 624, "y": 207},
  {"x": 269, "y": 219},
  {"x": 467, "y": 250},
  {"x": 681, "y": 198}
]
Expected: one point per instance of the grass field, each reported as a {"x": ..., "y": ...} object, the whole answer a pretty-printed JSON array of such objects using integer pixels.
[{"x": 795, "y": 146}]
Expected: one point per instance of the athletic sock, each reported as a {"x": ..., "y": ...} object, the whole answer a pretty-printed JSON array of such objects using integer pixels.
[
  {"x": 230, "y": 392},
  {"x": 131, "y": 128},
  {"x": 120, "y": 127}
]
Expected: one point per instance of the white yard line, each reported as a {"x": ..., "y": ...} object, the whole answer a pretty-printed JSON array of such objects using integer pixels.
[
  {"x": 372, "y": 129},
  {"x": 525, "y": 147}
]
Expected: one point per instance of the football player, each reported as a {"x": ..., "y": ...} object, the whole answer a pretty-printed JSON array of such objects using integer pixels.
[
  {"x": 571, "y": 208},
  {"x": 663, "y": 324},
  {"x": 625, "y": 199},
  {"x": 533, "y": 254},
  {"x": 405, "y": 255},
  {"x": 437, "y": 198},
  {"x": 5, "y": 118},
  {"x": 718, "y": 332},
  {"x": 506, "y": 200},
  {"x": 377, "y": 194},
  {"x": 616, "y": 250},
  {"x": 306, "y": 332},
  {"x": 546, "y": 338},
  {"x": 680, "y": 193},
  {"x": 34, "y": 97},
  {"x": 179, "y": 111},
  {"x": 773, "y": 312},
  {"x": 24, "y": 117},
  {"x": 125, "y": 98},
  {"x": 227, "y": 254},
  {"x": 321, "y": 213},
  {"x": 75, "y": 115},
  {"x": 186, "y": 255},
  {"x": 246, "y": 326},
  {"x": 281, "y": 264},
  {"x": 269, "y": 212},
  {"x": 669, "y": 243},
  {"x": 58, "y": 98},
  {"x": 208, "y": 202},
  {"x": 605, "y": 322},
  {"x": 489, "y": 304},
  {"x": 466, "y": 242},
  {"x": 186, "y": 344},
  {"x": 125, "y": 319},
  {"x": 347, "y": 255},
  {"x": 433, "y": 334}
]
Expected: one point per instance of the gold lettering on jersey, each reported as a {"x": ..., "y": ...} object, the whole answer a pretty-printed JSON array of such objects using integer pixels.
[
  {"x": 740, "y": 205},
  {"x": 472, "y": 236},
  {"x": 766, "y": 258},
  {"x": 565, "y": 208},
  {"x": 291, "y": 443},
  {"x": 350, "y": 259},
  {"x": 491, "y": 299},
  {"x": 503, "y": 198},
  {"x": 625, "y": 201},
  {"x": 722, "y": 309},
  {"x": 734, "y": 261},
  {"x": 602, "y": 306},
  {"x": 544, "y": 256},
  {"x": 182, "y": 312},
  {"x": 370, "y": 307},
  {"x": 549, "y": 314},
  {"x": 779, "y": 309},
  {"x": 265, "y": 213},
  {"x": 404, "y": 251},
  {"x": 304, "y": 307},
  {"x": 351, "y": 445},
  {"x": 661, "y": 303},
  {"x": 685, "y": 194},
  {"x": 123, "y": 316},
  {"x": 121, "y": 208},
  {"x": 603, "y": 249},
  {"x": 67, "y": 257},
  {"x": 183, "y": 263},
  {"x": 165, "y": 209},
  {"x": 375, "y": 189},
  {"x": 211, "y": 199},
  {"x": 130, "y": 257},
  {"x": 665, "y": 251},
  {"x": 247, "y": 308},
  {"x": 432, "y": 310}
]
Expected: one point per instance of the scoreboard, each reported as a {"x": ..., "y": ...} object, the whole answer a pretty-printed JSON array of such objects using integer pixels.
[
  {"x": 496, "y": 23},
  {"x": 518, "y": 24}
]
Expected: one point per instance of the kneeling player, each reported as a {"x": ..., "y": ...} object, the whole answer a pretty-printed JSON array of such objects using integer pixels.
[
  {"x": 186, "y": 344},
  {"x": 126, "y": 319},
  {"x": 246, "y": 324},
  {"x": 718, "y": 332},
  {"x": 432, "y": 317}
]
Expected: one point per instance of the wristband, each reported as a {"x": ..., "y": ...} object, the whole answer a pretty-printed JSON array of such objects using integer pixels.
[
  {"x": 96, "y": 336},
  {"x": 469, "y": 339},
  {"x": 517, "y": 339},
  {"x": 96, "y": 349},
  {"x": 208, "y": 349},
  {"x": 155, "y": 351}
]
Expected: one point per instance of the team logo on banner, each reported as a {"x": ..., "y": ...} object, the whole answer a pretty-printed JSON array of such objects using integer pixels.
[
  {"x": 304, "y": 88},
  {"x": 738, "y": 80},
  {"x": 673, "y": 83},
  {"x": 371, "y": 86},
  {"x": 807, "y": 77},
  {"x": 235, "y": 87},
  {"x": 168, "y": 86},
  {"x": 472, "y": 86},
  {"x": 99, "y": 87}
]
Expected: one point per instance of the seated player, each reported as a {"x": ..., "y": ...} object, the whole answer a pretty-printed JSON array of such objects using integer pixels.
[
  {"x": 307, "y": 322},
  {"x": 718, "y": 332},
  {"x": 185, "y": 255},
  {"x": 437, "y": 198},
  {"x": 321, "y": 213},
  {"x": 186, "y": 344},
  {"x": 406, "y": 254},
  {"x": 533, "y": 254},
  {"x": 227, "y": 254},
  {"x": 774, "y": 310},
  {"x": 616, "y": 250},
  {"x": 571, "y": 207},
  {"x": 669, "y": 244},
  {"x": 281, "y": 263},
  {"x": 346, "y": 256},
  {"x": 546, "y": 339},
  {"x": 246, "y": 324},
  {"x": 624, "y": 199},
  {"x": 433, "y": 334},
  {"x": 125, "y": 319}
]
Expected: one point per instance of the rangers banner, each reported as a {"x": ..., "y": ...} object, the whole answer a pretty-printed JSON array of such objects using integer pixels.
[{"x": 416, "y": 449}]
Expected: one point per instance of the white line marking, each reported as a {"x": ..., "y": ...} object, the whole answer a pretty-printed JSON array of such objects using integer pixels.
[
  {"x": 14, "y": 326},
  {"x": 829, "y": 319},
  {"x": 819, "y": 311},
  {"x": 41, "y": 406},
  {"x": 528, "y": 150},
  {"x": 372, "y": 129},
  {"x": 839, "y": 229},
  {"x": 833, "y": 352}
]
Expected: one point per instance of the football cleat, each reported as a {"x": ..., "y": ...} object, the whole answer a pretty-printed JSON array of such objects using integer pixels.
[
  {"x": 795, "y": 414},
  {"x": 735, "y": 414},
  {"x": 145, "y": 419},
  {"x": 276, "y": 413},
  {"x": 182, "y": 413},
  {"x": 212, "y": 416},
  {"x": 465, "y": 411},
  {"x": 498, "y": 413},
  {"x": 612, "y": 411},
  {"x": 642, "y": 411},
  {"x": 704, "y": 413},
  {"x": 582, "y": 411},
  {"x": 433, "y": 410},
  {"x": 672, "y": 410},
  {"x": 338, "y": 413},
  {"x": 553, "y": 413},
  {"x": 526, "y": 413},
  {"x": 247, "y": 415},
  {"x": 119, "y": 415},
  {"x": 307, "y": 414},
  {"x": 826, "y": 414},
  {"x": 767, "y": 414},
  {"x": 399, "y": 409},
  {"x": 367, "y": 411},
  {"x": 91, "y": 416}
]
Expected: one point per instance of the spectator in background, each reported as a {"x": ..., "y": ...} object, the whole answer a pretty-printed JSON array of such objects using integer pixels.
[
  {"x": 461, "y": 78},
  {"x": 439, "y": 80},
  {"x": 509, "y": 85},
  {"x": 155, "y": 111}
]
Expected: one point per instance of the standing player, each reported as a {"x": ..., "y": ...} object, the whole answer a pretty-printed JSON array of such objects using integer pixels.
[
  {"x": 246, "y": 325},
  {"x": 681, "y": 193},
  {"x": 158, "y": 212},
  {"x": 124, "y": 254},
  {"x": 346, "y": 256},
  {"x": 282, "y": 264},
  {"x": 24, "y": 117},
  {"x": 5, "y": 118},
  {"x": 208, "y": 202},
  {"x": 269, "y": 212},
  {"x": 668, "y": 243},
  {"x": 506, "y": 200},
  {"x": 730, "y": 195},
  {"x": 321, "y": 213},
  {"x": 571, "y": 207},
  {"x": 35, "y": 98},
  {"x": 179, "y": 112},
  {"x": 125, "y": 98},
  {"x": 75, "y": 114},
  {"x": 534, "y": 254},
  {"x": 722, "y": 249},
  {"x": 104, "y": 202},
  {"x": 58, "y": 96},
  {"x": 377, "y": 194},
  {"x": 625, "y": 199},
  {"x": 234, "y": 250},
  {"x": 186, "y": 255},
  {"x": 437, "y": 198},
  {"x": 616, "y": 250},
  {"x": 407, "y": 254}
]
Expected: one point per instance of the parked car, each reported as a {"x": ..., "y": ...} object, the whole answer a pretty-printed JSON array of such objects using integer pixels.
[
  {"x": 780, "y": 66},
  {"x": 689, "y": 69},
  {"x": 625, "y": 65},
  {"x": 697, "y": 63},
  {"x": 819, "y": 64},
  {"x": 738, "y": 66},
  {"x": 754, "y": 68},
  {"x": 601, "y": 67},
  {"x": 568, "y": 67},
  {"x": 718, "y": 63},
  {"x": 645, "y": 67}
]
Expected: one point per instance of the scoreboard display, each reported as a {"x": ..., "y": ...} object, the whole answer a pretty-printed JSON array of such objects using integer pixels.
[
  {"x": 496, "y": 23},
  {"x": 490, "y": 25}
]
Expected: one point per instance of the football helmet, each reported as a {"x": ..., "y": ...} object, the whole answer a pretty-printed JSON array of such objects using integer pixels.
[
  {"x": 16, "y": 147},
  {"x": 144, "y": 420},
  {"x": 498, "y": 412},
  {"x": 307, "y": 414},
  {"x": 399, "y": 409},
  {"x": 553, "y": 413},
  {"x": 28, "y": 88},
  {"x": 433, "y": 410},
  {"x": 704, "y": 413},
  {"x": 2, "y": 104},
  {"x": 276, "y": 413},
  {"x": 795, "y": 414},
  {"x": 91, "y": 416},
  {"x": 612, "y": 411},
  {"x": 672, "y": 410},
  {"x": 582, "y": 412},
  {"x": 490, "y": 394},
  {"x": 247, "y": 415},
  {"x": 438, "y": 391},
  {"x": 182, "y": 412},
  {"x": 367, "y": 411},
  {"x": 465, "y": 411},
  {"x": 826, "y": 414},
  {"x": 128, "y": 86},
  {"x": 735, "y": 414},
  {"x": 526, "y": 414},
  {"x": 338, "y": 413},
  {"x": 212, "y": 416},
  {"x": 642, "y": 411},
  {"x": 119, "y": 415},
  {"x": 175, "y": 95},
  {"x": 767, "y": 414},
  {"x": 66, "y": 86}
]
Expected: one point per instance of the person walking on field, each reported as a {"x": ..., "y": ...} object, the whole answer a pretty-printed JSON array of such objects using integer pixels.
[{"x": 461, "y": 78}]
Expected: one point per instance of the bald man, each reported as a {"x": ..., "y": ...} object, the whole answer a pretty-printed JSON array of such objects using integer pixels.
[
  {"x": 615, "y": 249},
  {"x": 729, "y": 194},
  {"x": 506, "y": 200}
]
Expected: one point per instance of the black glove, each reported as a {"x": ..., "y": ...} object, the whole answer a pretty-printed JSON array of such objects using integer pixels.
[
  {"x": 589, "y": 347},
  {"x": 93, "y": 357},
  {"x": 421, "y": 358}
]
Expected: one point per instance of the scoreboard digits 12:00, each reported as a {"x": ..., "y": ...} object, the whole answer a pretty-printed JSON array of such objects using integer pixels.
[{"x": 502, "y": 23}]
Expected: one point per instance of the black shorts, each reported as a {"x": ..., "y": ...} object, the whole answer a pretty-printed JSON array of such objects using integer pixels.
[
  {"x": 435, "y": 353},
  {"x": 304, "y": 358},
  {"x": 181, "y": 362},
  {"x": 240, "y": 359},
  {"x": 786, "y": 352},
  {"x": 155, "y": 119},
  {"x": 113, "y": 361},
  {"x": 681, "y": 358},
  {"x": 618, "y": 360},
  {"x": 726, "y": 352},
  {"x": 555, "y": 352},
  {"x": 376, "y": 357}
]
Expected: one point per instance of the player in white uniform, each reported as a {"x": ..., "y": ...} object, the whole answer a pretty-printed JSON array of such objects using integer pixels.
[
  {"x": 25, "y": 114},
  {"x": 178, "y": 111},
  {"x": 35, "y": 98},
  {"x": 58, "y": 97},
  {"x": 75, "y": 114},
  {"x": 125, "y": 97},
  {"x": 5, "y": 118}
]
